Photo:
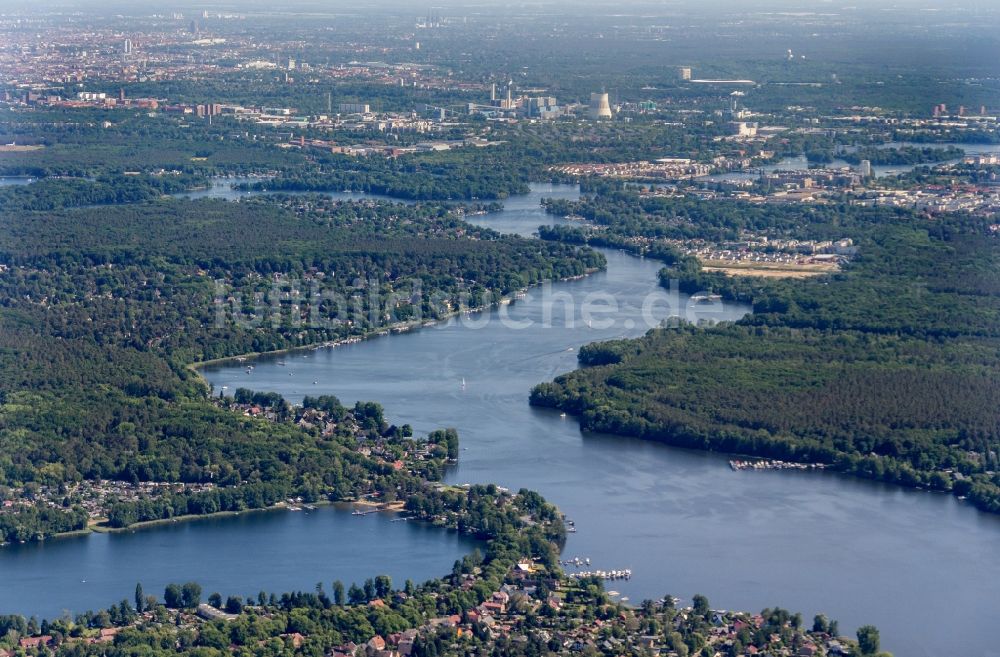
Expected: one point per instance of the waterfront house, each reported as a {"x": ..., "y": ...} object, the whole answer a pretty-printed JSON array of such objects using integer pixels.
[
  {"x": 208, "y": 612},
  {"x": 108, "y": 634},
  {"x": 35, "y": 641}
]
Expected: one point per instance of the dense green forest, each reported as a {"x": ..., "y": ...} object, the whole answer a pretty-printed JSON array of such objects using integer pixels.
[
  {"x": 103, "y": 144},
  {"x": 53, "y": 193},
  {"x": 93, "y": 142},
  {"x": 887, "y": 369},
  {"x": 903, "y": 155},
  {"x": 103, "y": 309},
  {"x": 467, "y": 174},
  {"x": 627, "y": 217},
  {"x": 518, "y": 155}
]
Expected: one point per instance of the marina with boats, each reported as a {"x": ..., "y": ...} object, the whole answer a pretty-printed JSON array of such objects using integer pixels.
[
  {"x": 645, "y": 495},
  {"x": 610, "y": 575},
  {"x": 771, "y": 464}
]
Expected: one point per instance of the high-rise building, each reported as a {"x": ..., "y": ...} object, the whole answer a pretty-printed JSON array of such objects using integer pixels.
[
  {"x": 600, "y": 108},
  {"x": 684, "y": 73},
  {"x": 865, "y": 169},
  {"x": 127, "y": 47},
  {"x": 542, "y": 107},
  {"x": 208, "y": 109},
  {"x": 291, "y": 64}
]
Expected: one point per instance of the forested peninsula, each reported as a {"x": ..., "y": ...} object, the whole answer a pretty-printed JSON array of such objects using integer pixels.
[
  {"x": 886, "y": 368},
  {"x": 104, "y": 309}
]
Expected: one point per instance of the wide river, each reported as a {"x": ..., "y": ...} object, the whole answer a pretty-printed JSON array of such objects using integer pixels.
[{"x": 922, "y": 567}]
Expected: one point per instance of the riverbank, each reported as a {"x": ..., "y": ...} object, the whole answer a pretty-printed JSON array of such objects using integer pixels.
[
  {"x": 147, "y": 524},
  {"x": 397, "y": 327},
  {"x": 98, "y": 525}
]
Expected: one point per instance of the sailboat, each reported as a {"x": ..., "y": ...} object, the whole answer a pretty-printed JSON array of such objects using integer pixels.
[{"x": 463, "y": 383}]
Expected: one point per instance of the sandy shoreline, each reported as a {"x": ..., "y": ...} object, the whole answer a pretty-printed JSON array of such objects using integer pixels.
[{"x": 96, "y": 526}]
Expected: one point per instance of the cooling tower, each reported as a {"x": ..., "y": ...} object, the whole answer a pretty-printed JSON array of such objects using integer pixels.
[{"x": 599, "y": 106}]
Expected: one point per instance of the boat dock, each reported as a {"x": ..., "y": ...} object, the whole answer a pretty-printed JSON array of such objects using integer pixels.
[
  {"x": 625, "y": 574},
  {"x": 773, "y": 465}
]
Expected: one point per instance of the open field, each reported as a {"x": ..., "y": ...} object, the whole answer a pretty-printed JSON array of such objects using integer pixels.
[{"x": 769, "y": 269}]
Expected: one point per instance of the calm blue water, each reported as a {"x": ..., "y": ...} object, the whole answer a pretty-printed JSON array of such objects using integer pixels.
[
  {"x": 922, "y": 567},
  {"x": 6, "y": 181},
  {"x": 273, "y": 551}
]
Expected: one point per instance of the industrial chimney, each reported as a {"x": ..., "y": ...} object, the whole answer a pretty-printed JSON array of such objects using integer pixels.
[{"x": 600, "y": 108}]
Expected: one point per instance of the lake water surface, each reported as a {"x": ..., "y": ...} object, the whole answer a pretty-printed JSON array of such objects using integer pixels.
[
  {"x": 274, "y": 551},
  {"x": 922, "y": 567}
]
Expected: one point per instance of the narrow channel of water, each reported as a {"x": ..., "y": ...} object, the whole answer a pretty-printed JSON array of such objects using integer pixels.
[{"x": 7, "y": 181}]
